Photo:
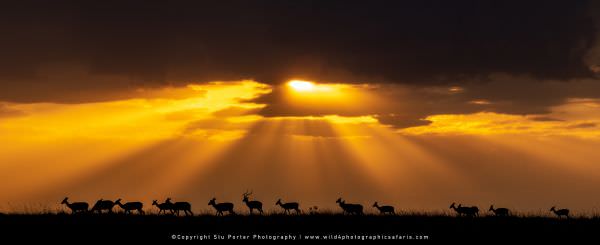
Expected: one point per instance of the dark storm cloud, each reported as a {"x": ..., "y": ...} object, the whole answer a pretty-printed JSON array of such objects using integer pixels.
[
  {"x": 408, "y": 105},
  {"x": 74, "y": 51}
]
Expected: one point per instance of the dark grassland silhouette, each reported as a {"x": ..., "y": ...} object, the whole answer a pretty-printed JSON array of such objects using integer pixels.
[
  {"x": 154, "y": 227},
  {"x": 162, "y": 221}
]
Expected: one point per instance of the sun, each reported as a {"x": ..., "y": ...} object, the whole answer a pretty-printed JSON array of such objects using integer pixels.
[
  {"x": 302, "y": 86},
  {"x": 309, "y": 93}
]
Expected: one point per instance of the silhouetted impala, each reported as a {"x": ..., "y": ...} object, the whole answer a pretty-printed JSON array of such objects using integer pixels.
[
  {"x": 288, "y": 206},
  {"x": 76, "y": 206},
  {"x": 221, "y": 207},
  {"x": 180, "y": 206},
  {"x": 499, "y": 211},
  {"x": 350, "y": 208},
  {"x": 102, "y": 205},
  {"x": 466, "y": 211},
  {"x": 163, "y": 207},
  {"x": 384, "y": 209},
  {"x": 252, "y": 204},
  {"x": 560, "y": 212},
  {"x": 130, "y": 206}
]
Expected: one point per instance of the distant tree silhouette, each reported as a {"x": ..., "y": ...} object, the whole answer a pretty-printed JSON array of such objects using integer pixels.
[
  {"x": 384, "y": 209},
  {"x": 102, "y": 205},
  {"x": 499, "y": 211},
  {"x": 560, "y": 212},
  {"x": 288, "y": 206},
  {"x": 221, "y": 207},
  {"x": 252, "y": 204},
  {"x": 130, "y": 206},
  {"x": 180, "y": 206},
  {"x": 76, "y": 206},
  {"x": 350, "y": 208}
]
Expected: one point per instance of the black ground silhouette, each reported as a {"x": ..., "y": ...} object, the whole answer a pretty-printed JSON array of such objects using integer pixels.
[{"x": 414, "y": 227}]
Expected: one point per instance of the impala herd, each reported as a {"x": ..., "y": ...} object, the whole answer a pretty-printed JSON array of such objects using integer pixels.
[{"x": 175, "y": 208}]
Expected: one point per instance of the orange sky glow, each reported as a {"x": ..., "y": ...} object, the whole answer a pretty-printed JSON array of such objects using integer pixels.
[{"x": 207, "y": 140}]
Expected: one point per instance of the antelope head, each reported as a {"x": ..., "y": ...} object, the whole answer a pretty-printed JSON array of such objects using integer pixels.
[{"x": 246, "y": 195}]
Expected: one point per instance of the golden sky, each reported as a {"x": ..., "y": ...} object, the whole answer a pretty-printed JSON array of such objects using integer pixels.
[
  {"x": 407, "y": 103},
  {"x": 219, "y": 139}
]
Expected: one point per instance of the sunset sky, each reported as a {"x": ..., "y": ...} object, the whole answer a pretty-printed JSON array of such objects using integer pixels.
[{"x": 416, "y": 104}]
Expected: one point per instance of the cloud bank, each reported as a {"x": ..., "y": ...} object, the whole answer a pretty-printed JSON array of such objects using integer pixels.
[{"x": 76, "y": 52}]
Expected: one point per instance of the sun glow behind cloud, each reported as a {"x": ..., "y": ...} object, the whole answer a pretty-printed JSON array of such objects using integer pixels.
[
  {"x": 301, "y": 86},
  {"x": 307, "y": 89}
]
